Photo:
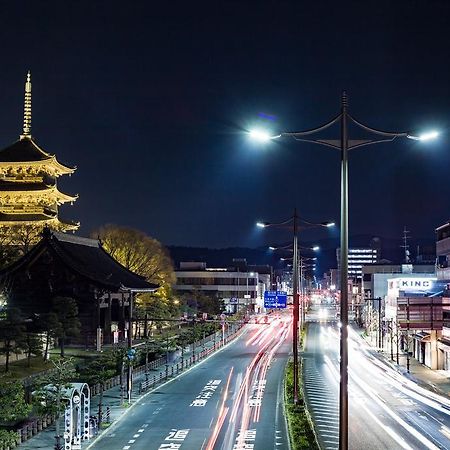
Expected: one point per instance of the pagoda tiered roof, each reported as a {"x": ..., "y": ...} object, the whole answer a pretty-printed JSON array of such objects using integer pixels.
[
  {"x": 26, "y": 152},
  {"x": 28, "y": 187},
  {"x": 41, "y": 220},
  {"x": 34, "y": 190}
]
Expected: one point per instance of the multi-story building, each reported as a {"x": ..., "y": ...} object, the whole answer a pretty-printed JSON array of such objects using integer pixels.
[
  {"x": 375, "y": 276},
  {"x": 443, "y": 275},
  {"x": 239, "y": 287},
  {"x": 357, "y": 258}
]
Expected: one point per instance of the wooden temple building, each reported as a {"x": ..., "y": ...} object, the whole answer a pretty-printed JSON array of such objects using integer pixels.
[
  {"x": 29, "y": 196},
  {"x": 65, "y": 265}
]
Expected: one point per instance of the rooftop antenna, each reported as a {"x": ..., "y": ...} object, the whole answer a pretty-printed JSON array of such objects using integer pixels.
[
  {"x": 405, "y": 245},
  {"x": 27, "y": 109}
]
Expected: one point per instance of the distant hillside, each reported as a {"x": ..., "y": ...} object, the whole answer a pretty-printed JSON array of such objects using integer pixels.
[{"x": 390, "y": 249}]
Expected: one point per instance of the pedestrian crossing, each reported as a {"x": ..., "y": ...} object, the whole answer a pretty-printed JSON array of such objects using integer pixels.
[{"x": 322, "y": 404}]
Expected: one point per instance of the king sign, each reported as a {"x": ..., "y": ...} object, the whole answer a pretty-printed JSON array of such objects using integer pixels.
[{"x": 411, "y": 284}]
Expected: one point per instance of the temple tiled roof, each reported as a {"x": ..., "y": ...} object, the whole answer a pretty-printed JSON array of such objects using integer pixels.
[
  {"x": 14, "y": 186},
  {"x": 23, "y": 150},
  {"x": 85, "y": 257}
]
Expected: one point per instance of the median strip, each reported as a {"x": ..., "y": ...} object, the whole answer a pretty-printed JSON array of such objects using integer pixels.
[{"x": 301, "y": 435}]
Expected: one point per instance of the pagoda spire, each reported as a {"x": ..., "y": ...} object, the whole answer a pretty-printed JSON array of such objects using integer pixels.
[{"x": 27, "y": 109}]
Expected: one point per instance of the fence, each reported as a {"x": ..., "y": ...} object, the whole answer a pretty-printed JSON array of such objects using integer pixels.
[
  {"x": 34, "y": 426},
  {"x": 150, "y": 383}
]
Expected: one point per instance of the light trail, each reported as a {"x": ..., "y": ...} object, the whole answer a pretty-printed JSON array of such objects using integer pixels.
[
  {"x": 222, "y": 415},
  {"x": 361, "y": 357},
  {"x": 246, "y": 404}
]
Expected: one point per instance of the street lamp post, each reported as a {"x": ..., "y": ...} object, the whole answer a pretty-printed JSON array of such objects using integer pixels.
[
  {"x": 293, "y": 222},
  {"x": 344, "y": 144},
  {"x": 295, "y": 306},
  {"x": 301, "y": 268},
  {"x": 304, "y": 266}
]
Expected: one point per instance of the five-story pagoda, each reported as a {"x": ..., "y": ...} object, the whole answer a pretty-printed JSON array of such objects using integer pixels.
[{"x": 29, "y": 197}]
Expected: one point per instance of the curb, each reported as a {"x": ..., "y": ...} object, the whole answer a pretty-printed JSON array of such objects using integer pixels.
[
  {"x": 115, "y": 424},
  {"x": 402, "y": 371}
]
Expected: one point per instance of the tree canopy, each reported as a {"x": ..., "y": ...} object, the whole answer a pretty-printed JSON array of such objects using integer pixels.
[{"x": 141, "y": 254}]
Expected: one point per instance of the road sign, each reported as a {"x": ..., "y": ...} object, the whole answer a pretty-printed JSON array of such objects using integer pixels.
[
  {"x": 234, "y": 300},
  {"x": 275, "y": 299}
]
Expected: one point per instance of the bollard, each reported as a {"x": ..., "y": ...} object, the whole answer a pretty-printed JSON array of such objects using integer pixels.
[{"x": 58, "y": 445}]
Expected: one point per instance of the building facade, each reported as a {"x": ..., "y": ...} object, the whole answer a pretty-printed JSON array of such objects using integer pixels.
[
  {"x": 358, "y": 257},
  {"x": 240, "y": 287},
  {"x": 62, "y": 265},
  {"x": 443, "y": 275}
]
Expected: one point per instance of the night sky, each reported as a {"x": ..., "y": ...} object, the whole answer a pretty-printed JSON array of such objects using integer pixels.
[{"x": 151, "y": 101}]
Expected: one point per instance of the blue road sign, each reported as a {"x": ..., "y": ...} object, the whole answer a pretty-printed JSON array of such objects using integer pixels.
[
  {"x": 234, "y": 300},
  {"x": 275, "y": 299}
]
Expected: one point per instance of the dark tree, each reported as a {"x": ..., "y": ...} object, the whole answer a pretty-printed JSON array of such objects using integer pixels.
[
  {"x": 12, "y": 334},
  {"x": 51, "y": 327},
  {"x": 98, "y": 372},
  {"x": 49, "y": 395},
  {"x": 66, "y": 312},
  {"x": 13, "y": 406},
  {"x": 32, "y": 345}
]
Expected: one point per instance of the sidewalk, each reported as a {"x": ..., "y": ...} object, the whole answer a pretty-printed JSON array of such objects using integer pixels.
[
  {"x": 437, "y": 381},
  {"x": 112, "y": 397}
]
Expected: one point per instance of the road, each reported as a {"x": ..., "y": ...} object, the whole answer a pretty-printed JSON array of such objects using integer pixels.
[
  {"x": 386, "y": 410},
  {"x": 231, "y": 400}
]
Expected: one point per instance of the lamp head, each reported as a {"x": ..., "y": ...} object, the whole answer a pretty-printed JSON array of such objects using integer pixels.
[
  {"x": 329, "y": 224},
  {"x": 260, "y": 135},
  {"x": 261, "y": 224},
  {"x": 272, "y": 248},
  {"x": 428, "y": 136},
  {"x": 316, "y": 248}
]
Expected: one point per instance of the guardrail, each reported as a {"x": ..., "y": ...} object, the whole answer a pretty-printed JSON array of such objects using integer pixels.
[
  {"x": 152, "y": 382},
  {"x": 34, "y": 426}
]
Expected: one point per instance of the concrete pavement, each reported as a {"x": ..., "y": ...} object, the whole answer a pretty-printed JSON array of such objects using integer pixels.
[{"x": 435, "y": 380}]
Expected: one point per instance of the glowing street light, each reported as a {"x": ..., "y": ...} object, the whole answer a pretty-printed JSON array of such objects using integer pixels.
[
  {"x": 292, "y": 223},
  {"x": 344, "y": 144},
  {"x": 260, "y": 135},
  {"x": 428, "y": 136}
]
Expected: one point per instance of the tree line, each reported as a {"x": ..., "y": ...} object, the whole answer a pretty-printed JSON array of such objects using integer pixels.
[{"x": 33, "y": 336}]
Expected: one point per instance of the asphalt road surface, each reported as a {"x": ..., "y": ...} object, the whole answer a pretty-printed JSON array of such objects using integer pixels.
[
  {"x": 386, "y": 410},
  {"x": 233, "y": 400}
]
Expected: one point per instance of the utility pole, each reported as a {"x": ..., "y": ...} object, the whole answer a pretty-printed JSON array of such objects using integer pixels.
[
  {"x": 296, "y": 308},
  {"x": 405, "y": 245},
  {"x": 407, "y": 335},
  {"x": 130, "y": 347}
]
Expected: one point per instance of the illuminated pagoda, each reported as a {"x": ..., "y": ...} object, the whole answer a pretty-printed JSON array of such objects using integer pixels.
[{"x": 29, "y": 196}]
